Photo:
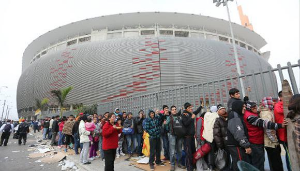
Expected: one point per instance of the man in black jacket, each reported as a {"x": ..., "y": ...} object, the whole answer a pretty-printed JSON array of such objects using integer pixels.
[
  {"x": 46, "y": 128},
  {"x": 188, "y": 120},
  {"x": 234, "y": 96},
  {"x": 22, "y": 131},
  {"x": 138, "y": 129},
  {"x": 237, "y": 137},
  {"x": 55, "y": 130}
]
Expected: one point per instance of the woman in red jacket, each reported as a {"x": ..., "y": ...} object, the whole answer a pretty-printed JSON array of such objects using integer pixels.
[{"x": 110, "y": 133}]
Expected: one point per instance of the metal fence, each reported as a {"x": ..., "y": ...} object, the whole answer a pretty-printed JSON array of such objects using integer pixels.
[{"x": 210, "y": 92}]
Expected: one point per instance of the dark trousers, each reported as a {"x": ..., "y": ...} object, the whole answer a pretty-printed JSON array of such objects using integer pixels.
[
  {"x": 190, "y": 149},
  {"x": 165, "y": 140},
  {"x": 76, "y": 143},
  {"x": 139, "y": 147},
  {"x": 53, "y": 138},
  {"x": 237, "y": 154},
  {"x": 155, "y": 149},
  {"x": 69, "y": 139},
  {"x": 257, "y": 156},
  {"x": 24, "y": 137},
  {"x": 4, "y": 138},
  {"x": 287, "y": 159},
  {"x": 109, "y": 156},
  {"x": 274, "y": 158}
]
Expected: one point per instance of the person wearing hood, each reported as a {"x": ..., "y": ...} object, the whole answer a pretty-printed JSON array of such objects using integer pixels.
[
  {"x": 130, "y": 137},
  {"x": 188, "y": 120},
  {"x": 118, "y": 113},
  {"x": 209, "y": 121},
  {"x": 237, "y": 136},
  {"x": 255, "y": 126},
  {"x": 152, "y": 126}
]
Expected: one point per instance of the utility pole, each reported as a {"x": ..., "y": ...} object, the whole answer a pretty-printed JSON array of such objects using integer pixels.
[
  {"x": 3, "y": 110},
  {"x": 7, "y": 113}
]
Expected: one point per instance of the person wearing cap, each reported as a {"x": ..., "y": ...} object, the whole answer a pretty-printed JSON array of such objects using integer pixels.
[
  {"x": 271, "y": 143},
  {"x": 22, "y": 131},
  {"x": 220, "y": 133},
  {"x": 255, "y": 126}
]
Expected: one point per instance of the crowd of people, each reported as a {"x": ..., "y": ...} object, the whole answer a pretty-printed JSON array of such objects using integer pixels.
[{"x": 189, "y": 139}]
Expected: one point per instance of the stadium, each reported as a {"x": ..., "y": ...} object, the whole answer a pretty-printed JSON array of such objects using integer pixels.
[{"x": 111, "y": 57}]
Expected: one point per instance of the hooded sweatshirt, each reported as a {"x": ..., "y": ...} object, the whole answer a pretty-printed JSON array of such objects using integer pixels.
[
  {"x": 153, "y": 125},
  {"x": 236, "y": 130}
]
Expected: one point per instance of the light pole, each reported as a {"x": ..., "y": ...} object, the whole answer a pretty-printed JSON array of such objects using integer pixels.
[{"x": 224, "y": 2}]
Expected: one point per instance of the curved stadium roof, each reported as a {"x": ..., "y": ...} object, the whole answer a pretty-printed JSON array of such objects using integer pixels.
[{"x": 118, "y": 21}]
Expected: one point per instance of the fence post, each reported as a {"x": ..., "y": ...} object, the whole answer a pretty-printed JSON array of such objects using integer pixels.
[
  {"x": 204, "y": 98},
  {"x": 215, "y": 96},
  {"x": 292, "y": 78},
  {"x": 221, "y": 92},
  {"x": 209, "y": 100},
  {"x": 263, "y": 83},
  {"x": 280, "y": 73},
  {"x": 226, "y": 89},
  {"x": 272, "y": 82}
]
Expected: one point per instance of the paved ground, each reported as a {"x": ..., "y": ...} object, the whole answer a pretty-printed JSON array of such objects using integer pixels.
[{"x": 14, "y": 157}]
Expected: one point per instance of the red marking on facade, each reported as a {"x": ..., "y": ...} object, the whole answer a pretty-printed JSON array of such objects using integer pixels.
[
  {"x": 65, "y": 61},
  {"x": 154, "y": 47},
  {"x": 142, "y": 49},
  {"x": 143, "y": 68},
  {"x": 139, "y": 86},
  {"x": 142, "y": 77},
  {"x": 155, "y": 52},
  {"x": 57, "y": 60},
  {"x": 140, "y": 90},
  {"x": 156, "y": 75},
  {"x": 149, "y": 65},
  {"x": 148, "y": 72},
  {"x": 148, "y": 55},
  {"x": 135, "y": 76},
  {"x": 155, "y": 61},
  {"x": 148, "y": 41},
  {"x": 161, "y": 49},
  {"x": 135, "y": 62},
  {"x": 148, "y": 59},
  {"x": 149, "y": 78},
  {"x": 129, "y": 86},
  {"x": 161, "y": 40},
  {"x": 142, "y": 60},
  {"x": 163, "y": 59},
  {"x": 135, "y": 58}
]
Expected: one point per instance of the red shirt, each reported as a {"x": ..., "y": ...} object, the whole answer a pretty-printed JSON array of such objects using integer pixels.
[
  {"x": 255, "y": 133},
  {"x": 61, "y": 125},
  {"x": 279, "y": 116},
  {"x": 110, "y": 136}
]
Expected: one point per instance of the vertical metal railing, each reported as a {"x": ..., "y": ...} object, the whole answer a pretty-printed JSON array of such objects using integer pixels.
[{"x": 263, "y": 83}]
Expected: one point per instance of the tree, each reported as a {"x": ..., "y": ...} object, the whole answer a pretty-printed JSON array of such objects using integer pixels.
[
  {"x": 41, "y": 105},
  {"x": 61, "y": 96}
]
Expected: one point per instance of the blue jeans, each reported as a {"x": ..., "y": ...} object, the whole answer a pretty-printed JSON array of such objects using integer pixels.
[
  {"x": 61, "y": 138},
  {"x": 76, "y": 142},
  {"x": 175, "y": 148},
  {"x": 45, "y": 131},
  {"x": 100, "y": 147},
  {"x": 130, "y": 140},
  {"x": 166, "y": 146},
  {"x": 139, "y": 145}
]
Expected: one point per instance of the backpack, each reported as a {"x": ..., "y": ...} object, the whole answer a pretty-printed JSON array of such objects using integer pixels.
[
  {"x": 178, "y": 128},
  {"x": 7, "y": 128},
  {"x": 199, "y": 128}
]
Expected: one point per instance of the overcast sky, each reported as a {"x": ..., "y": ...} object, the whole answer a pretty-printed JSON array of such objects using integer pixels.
[{"x": 22, "y": 21}]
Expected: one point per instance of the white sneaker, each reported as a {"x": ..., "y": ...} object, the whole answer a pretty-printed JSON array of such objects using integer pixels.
[
  {"x": 91, "y": 159},
  {"x": 122, "y": 154},
  {"x": 118, "y": 156}
]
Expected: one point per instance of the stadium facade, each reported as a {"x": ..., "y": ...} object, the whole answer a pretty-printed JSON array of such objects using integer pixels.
[{"x": 111, "y": 57}]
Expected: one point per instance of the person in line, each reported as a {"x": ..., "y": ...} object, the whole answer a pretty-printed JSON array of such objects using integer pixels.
[
  {"x": 234, "y": 96},
  {"x": 46, "y": 125},
  {"x": 61, "y": 135},
  {"x": 35, "y": 126},
  {"x": 152, "y": 126},
  {"x": 188, "y": 120},
  {"x": 237, "y": 136},
  {"x": 75, "y": 133},
  {"x": 138, "y": 129},
  {"x": 120, "y": 139},
  {"x": 90, "y": 126},
  {"x": 255, "y": 126},
  {"x": 95, "y": 140},
  {"x": 102, "y": 123},
  {"x": 6, "y": 129},
  {"x": 271, "y": 143},
  {"x": 55, "y": 129},
  {"x": 175, "y": 141},
  {"x": 209, "y": 121},
  {"x": 129, "y": 137},
  {"x": 110, "y": 141},
  {"x": 50, "y": 128},
  {"x": 165, "y": 132},
  {"x": 67, "y": 131},
  {"x": 84, "y": 139},
  {"x": 281, "y": 132},
  {"x": 22, "y": 131},
  {"x": 220, "y": 133}
]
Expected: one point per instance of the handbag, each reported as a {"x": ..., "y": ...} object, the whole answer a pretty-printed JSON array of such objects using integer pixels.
[
  {"x": 221, "y": 158},
  {"x": 128, "y": 131}
]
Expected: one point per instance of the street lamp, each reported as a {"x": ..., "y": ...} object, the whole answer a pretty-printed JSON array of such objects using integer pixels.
[{"x": 224, "y": 2}]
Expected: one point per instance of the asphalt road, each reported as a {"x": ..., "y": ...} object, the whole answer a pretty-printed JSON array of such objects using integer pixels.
[{"x": 15, "y": 158}]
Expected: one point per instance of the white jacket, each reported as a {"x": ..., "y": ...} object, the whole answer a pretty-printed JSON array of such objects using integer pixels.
[
  {"x": 83, "y": 133},
  {"x": 209, "y": 121}
]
